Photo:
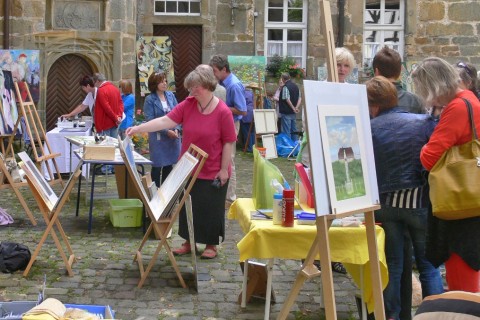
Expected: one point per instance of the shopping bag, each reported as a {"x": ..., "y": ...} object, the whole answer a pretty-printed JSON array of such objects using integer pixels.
[
  {"x": 455, "y": 179},
  {"x": 263, "y": 173}
]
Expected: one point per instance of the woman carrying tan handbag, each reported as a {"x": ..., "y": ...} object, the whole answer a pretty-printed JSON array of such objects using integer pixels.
[{"x": 453, "y": 242}]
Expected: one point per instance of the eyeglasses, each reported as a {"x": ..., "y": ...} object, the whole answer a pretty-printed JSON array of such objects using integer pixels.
[{"x": 464, "y": 66}]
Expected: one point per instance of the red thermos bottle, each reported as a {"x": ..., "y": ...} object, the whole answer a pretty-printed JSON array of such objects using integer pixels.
[{"x": 288, "y": 207}]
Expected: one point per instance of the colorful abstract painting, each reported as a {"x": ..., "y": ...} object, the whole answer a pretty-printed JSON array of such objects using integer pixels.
[{"x": 154, "y": 54}]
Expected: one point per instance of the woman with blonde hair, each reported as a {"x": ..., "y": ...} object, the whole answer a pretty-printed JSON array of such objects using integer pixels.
[
  {"x": 197, "y": 112},
  {"x": 398, "y": 136},
  {"x": 454, "y": 242}
]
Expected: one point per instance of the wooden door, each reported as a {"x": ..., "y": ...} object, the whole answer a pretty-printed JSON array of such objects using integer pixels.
[
  {"x": 63, "y": 91},
  {"x": 187, "y": 51}
]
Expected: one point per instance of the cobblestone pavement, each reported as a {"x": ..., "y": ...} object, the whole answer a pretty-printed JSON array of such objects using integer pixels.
[{"x": 105, "y": 274}]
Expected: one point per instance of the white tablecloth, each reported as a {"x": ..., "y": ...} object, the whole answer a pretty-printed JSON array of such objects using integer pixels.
[{"x": 58, "y": 144}]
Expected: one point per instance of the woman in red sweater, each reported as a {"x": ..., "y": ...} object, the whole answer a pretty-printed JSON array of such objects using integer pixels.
[{"x": 455, "y": 242}]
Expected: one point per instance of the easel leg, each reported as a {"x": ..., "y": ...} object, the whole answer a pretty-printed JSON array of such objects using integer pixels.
[
  {"x": 326, "y": 264},
  {"x": 307, "y": 269},
  {"x": 244, "y": 284},
  {"x": 268, "y": 295},
  {"x": 374, "y": 265}
]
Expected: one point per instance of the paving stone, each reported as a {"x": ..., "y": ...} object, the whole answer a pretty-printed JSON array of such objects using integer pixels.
[{"x": 105, "y": 273}]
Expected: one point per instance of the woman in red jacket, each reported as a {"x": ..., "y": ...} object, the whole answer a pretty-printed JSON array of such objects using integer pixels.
[{"x": 455, "y": 242}]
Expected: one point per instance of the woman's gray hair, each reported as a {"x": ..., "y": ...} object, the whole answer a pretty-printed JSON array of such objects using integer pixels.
[
  {"x": 436, "y": 81},
  {"x": 343, "y": 54},
  {"x": 201, "y": 77}
]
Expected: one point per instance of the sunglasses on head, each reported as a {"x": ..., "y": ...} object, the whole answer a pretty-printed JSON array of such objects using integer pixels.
[{"x": 464, "y": 66}]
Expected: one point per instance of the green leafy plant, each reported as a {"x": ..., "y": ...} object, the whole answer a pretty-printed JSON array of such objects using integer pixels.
[{"x": 279, "y": 65}]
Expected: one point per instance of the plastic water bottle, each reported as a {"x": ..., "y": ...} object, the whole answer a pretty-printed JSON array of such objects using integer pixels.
[
  {"x": 288, "y": 207},
  {"x": 277, "y": 208}
]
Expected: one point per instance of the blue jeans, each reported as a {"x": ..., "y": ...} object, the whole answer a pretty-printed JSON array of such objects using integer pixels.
[
  {"x": 112, "y": 132},
  {"x": 289, "y": 125},
  {"x": 395, "y": 221}
]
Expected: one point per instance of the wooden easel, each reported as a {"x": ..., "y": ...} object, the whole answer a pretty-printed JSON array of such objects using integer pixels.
[
  {"x": 34, "y": 128},
  {"x": 257, "y": 95},
  {"x": 50, "y": 212},
  {"x": 321, "y": 244},
  {"x": 6, "y": 180},
  {"x": 162, "y": 222}
]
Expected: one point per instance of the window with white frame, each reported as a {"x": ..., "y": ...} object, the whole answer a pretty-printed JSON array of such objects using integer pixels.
[
  {"x": 384, "y": 23},
  {"x": 177, "y": 7},
  {"x": 286, "y": 29}
]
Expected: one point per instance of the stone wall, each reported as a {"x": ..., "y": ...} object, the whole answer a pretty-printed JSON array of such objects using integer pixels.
[
  {"x": 101, "y": 31},
  {"x": 448, "y": 29}
]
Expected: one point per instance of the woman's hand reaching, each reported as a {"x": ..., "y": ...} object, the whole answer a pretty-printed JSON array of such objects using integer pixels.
[{"x": 132, "y": 130}]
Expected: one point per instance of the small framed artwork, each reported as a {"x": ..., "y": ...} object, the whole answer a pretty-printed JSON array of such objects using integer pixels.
[
  {"x": 38, "y": 180},
  {"x": 265, "y": 121},
  {"x": 345, "y": 157},
  {"x": 342, "y": 162},
  {"x": 268, "y": 142}
]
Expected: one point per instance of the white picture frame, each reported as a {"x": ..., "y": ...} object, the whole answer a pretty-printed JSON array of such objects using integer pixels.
[
  {"x": 268, "y": 142},
  {"x": 317, "y": 95},
  {"x": 343, "y": 144},
  {"x": 38, "y": 180},
  {"x": 265, "y": 121}
]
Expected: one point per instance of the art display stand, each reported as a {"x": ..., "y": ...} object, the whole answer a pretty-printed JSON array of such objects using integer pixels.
[
  {"x": 36, "y": 132},
  {"x": 321, "y": 245},
  {"x": 6, "y": 181},
  {"x": 51, "y": 213},
  {"x": 163, "y": 205},
  {"x": 257, "y": 96}
]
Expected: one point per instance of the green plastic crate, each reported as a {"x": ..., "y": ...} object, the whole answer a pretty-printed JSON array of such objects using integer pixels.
[{"x": 125, "y": 213}]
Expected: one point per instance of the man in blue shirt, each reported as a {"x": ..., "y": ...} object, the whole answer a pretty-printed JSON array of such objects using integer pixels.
[{"x": 237, "y": 104}]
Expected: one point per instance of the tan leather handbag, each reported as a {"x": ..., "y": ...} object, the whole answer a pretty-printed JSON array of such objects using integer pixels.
[{"x": 455, "y": 179}]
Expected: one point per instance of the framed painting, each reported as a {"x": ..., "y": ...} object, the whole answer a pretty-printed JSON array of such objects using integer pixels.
[
  {"x": 250, "y": 70},
  {"x": 154, "y": 54},
  {"x": 265, "y": 121},
  {"x": 43, "y": 188},
  {"x": 348, "y": 103},
  {"x": 343, "y": 144}
]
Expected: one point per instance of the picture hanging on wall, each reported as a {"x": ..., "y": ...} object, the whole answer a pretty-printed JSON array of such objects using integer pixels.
[{"x": 154, "y": 54}]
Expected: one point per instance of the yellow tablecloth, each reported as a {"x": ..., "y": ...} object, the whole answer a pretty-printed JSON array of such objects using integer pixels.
[{"x": 264, "y": 240}]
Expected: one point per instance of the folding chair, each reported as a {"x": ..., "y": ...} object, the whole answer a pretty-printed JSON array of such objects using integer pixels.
[
  {"x": 162, "y": 208},
  {"x": 50, "y": 206}
]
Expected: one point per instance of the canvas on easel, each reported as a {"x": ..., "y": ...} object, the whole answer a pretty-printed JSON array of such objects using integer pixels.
[
  {"x": 164, "y": 206},
  {"x": 41, "y": 149},
  {"x": 316, "y": 96},
  {"x": 51, "y": 207}
]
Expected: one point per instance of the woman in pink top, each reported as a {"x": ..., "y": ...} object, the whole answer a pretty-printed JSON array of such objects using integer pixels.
[
  {"x": 207, "y": 122},
  {"x": 455, "y": 242}
]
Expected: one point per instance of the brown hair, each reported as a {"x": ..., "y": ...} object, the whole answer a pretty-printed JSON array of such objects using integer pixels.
[
  {"x": 220, "y": 61},
  {"x": 381, "y": 93},
  {"x": 154, "y": 79},
  {"x": 125, "y": 87},
  {"x": 86, "y": 81},
  {"x": 388, "y": 62}
]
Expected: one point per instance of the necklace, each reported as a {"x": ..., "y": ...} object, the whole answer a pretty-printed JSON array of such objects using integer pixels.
[{"x": 203, "y": 109}]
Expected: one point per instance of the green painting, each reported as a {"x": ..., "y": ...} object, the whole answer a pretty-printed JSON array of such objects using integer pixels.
[{"x": 249, "y": 69}]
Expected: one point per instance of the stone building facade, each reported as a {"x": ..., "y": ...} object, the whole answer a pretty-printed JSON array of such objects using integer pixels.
[{"x": 103, "y": 32}]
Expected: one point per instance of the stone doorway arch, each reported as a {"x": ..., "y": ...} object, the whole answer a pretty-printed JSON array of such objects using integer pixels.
[{"x": 63, "y": 91}]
